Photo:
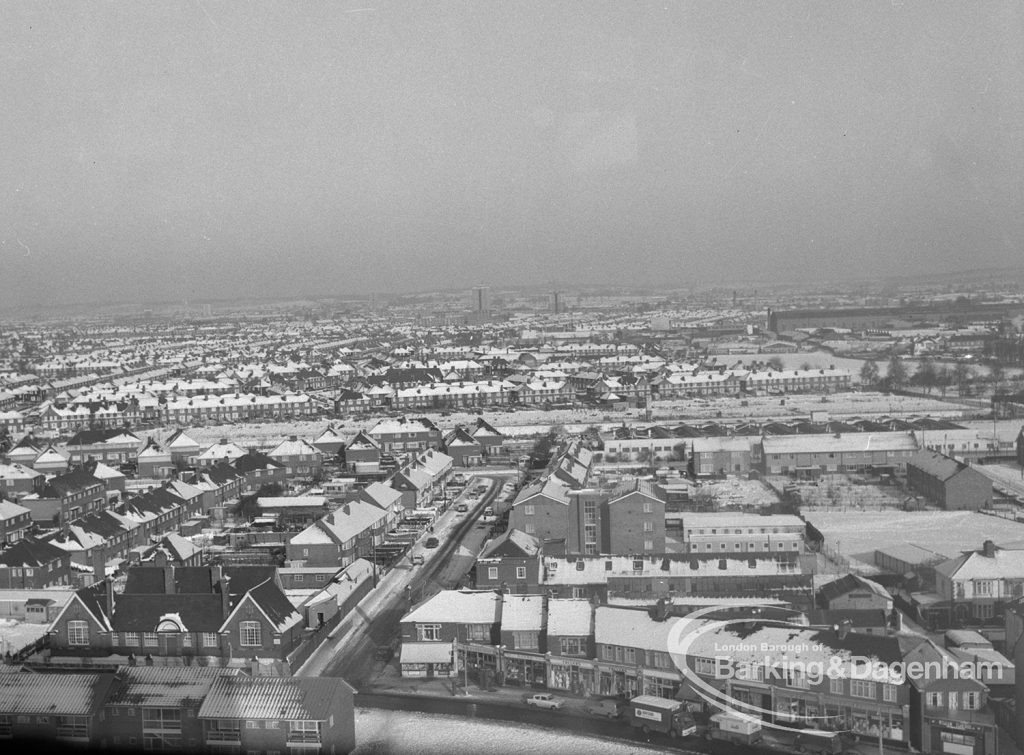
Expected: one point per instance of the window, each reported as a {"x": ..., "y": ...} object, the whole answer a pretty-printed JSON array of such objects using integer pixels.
[
  {"x": 647, "y": 507},
  {"x": 78, "y": 633},
  {"x": 983, "y": 587},
  {"x": 477, "y": 632},
  {"x": 889, "y": 693},
  {"x": 704, "y": 666},
  {"x": 249, "y": 634},
  {"x": 648, "y": 526},
  {"x": 186, "y": 640},
  {"x": 530, "y": 529},
  {"x": 528, "y": 509},
  {"x": 861, "y": 688},
  {"x": 492, "y": 572},
  {"x": 648, "y": 545},
  {"x": 428, "y": 632},
  {"x": 520, "y": 572},
  {"x": 131, "y": 638},
  {"x": 572, "y": 646},
  {"x": 273, "y": 724},
  {"x": 971, "y": 700},
  {"x": 835, "y": 686},
  {"x": 525, "y": 640},
  {"x": 252, "y": 724},
  {"x": 607, "y": 653},
  {"x": 209, "y": 639},
  {"x": 629, "y": 655},
  {"x": 150, "y": 640}
]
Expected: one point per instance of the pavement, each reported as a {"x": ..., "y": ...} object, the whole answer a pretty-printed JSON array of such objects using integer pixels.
[{"x": 388, "y": 680}]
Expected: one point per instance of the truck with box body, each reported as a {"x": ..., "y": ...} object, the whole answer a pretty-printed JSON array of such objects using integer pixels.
[{"x": 651, "y": 713}]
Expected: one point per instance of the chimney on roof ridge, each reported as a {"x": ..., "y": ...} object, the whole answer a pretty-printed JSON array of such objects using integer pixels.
[{"x": 988, "y": 549}]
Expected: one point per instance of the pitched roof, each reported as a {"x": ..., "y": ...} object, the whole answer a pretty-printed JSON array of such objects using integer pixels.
[
  {"x": 53, "y": 694},
  {"x": 938, "y": 466},
  {"x": 570, "y": 617},
  {"x": 273, "y": 697},
  {"x": 464, "y": 607},
  {"x": 513, "y": 543},
  {"x": 522, "y": 613},
  {"x": 164, "y": 686},
  {"x": 30, "y": 552}
]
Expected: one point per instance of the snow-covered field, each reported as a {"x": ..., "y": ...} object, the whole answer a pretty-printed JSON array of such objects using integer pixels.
[
  {"x": 736, "y": 493},
  {"x": 394, "y": 732},
  {"x": 531, "y": 423},
  {"x": 858, "y": 534}
]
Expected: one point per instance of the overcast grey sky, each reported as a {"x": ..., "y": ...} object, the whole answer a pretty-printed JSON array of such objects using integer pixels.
[{"x": 174, "y": 150}]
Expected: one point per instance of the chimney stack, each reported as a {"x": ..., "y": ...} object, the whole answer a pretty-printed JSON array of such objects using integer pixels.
[
  {"x": 988, "y": 549},
  {"x": 168, "y": 579}
]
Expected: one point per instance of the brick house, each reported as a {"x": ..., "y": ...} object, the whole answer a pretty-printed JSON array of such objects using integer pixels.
[
  {"x": 34, "y": 564},
  {"x": 278, "y": 714},
  {"x": 259, "y": 469},
  {"x": 464, "y": 449},
  {"x": 430, "y": 629},
  {"x": 300, "y": 458},
  {"x": 54, "y": 710},
  {"x": 362, "y": 449},
  {"x": 66, "y": 497},
  {"x": 511, "y": 562},
  {"x": 950, "y": 483},
  {"x": 17, "y": 480},
  {"x": 350, "y": 532},
  {"x": 154, "y": 461},
  {"x": 114, "y": 447},
  {"x": 15, "y": 521},
  {"x": 156, "y": 708},
  {"x": 230, "y": 612}
]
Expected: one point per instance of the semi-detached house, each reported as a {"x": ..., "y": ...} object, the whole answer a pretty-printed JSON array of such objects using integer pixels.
[{"x": 350, "y": 532}]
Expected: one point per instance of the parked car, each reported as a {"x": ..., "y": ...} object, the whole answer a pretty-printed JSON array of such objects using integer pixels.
[
  {"x": 417, "y": 559},
  {"x": 545, "y": 700},
  {"x": 461, "y": 508},
  {"x": 431, "y": 542},
  {"x": 608, "y": 708}
]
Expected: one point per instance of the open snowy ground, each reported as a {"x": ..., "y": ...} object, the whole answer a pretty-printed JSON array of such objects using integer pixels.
[
  {"x": 858, "y": 533},
  {"x": 530, "y": 423},
  {"x": 395, "y": 732}
]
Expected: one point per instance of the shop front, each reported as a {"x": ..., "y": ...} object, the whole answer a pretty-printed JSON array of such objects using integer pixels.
[
  {"x": 662, "y": 684},
  {"x": 959, "y": 737},
  {"x": 575, "y": 676},
  {"x": 524, "y": 670},
  {"x": 427, "y": 659},
  {"x": 481, "y": 663},
  {"x": 618, "y": 681}
]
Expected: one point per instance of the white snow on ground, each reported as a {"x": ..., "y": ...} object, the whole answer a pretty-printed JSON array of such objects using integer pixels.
[
  {"x": 1010, "y": 475},
  {"x": 529, "y": 423},
  {"x": 859, "y": 534},
  {"x": 380, "y": 731},
  {"x": 736, "y": 492}
]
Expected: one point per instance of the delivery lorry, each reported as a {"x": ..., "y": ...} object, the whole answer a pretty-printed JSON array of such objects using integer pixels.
[
  {"x": 730, "y": 727},
  {"x": 650, "y": 713}
]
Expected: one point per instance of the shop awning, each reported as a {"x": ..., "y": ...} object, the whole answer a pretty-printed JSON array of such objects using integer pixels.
[{"x": 426, "y": 652}]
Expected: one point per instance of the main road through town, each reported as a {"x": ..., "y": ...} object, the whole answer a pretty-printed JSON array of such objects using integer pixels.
[{"x": 349, "y": 651}]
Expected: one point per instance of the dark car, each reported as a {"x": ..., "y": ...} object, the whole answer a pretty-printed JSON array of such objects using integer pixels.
[{"x": 431, "y": 542}]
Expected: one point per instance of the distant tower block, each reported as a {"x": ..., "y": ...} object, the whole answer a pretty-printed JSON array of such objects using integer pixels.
[
  {"x": 557, "y": 302},
  {"x": 482, "y": 298}
]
